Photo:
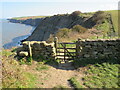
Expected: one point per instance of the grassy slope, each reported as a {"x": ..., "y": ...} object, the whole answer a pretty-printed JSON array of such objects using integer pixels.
[
  {"x": 114, "y": 14},
  {"x": 13, "y": 75},
  {"x": 103, "y": 75},
  {"x": 100, "y": 73}
]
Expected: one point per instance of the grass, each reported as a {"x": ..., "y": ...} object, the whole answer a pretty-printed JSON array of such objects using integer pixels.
[
  {"x": 28, "y": 17},
  {"x": 104, "y": 27},
  {"x": 13, "y": 75},
  {"x": 6, "y": 53},
  {"x": 103, "y": 75},
  {"x": 114, "y": 14},
  {"x": 75, "y": 83},
  {"x": 100, "y": 73},
  {"x": 87, "y": 15}
]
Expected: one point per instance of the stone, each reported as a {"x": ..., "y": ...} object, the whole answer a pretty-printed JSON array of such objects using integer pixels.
[{"x": 23, "y": 53}]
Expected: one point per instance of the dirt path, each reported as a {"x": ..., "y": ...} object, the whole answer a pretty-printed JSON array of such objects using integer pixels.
[{"x": 56, "y": 76}]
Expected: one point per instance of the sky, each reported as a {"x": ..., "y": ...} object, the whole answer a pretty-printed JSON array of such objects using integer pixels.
[{"x": 18, "y": 8}]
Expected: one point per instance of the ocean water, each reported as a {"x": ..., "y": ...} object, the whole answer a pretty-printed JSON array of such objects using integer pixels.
[{"x": 13, "y": 33}]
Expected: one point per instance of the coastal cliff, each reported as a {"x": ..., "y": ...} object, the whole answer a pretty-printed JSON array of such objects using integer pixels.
[
  {"x": 48, "y": 26},
  {"x": 51, "y": 25},
  {"x": 32, "y": 22}
]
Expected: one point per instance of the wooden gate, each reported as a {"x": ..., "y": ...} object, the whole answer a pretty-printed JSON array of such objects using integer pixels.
[{"x": 65, "y": 51}]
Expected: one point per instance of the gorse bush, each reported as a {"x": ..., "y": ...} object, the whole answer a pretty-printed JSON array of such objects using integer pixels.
[
  {"x": 66, "y": 33},
  {"x": 99, "y": 17},
  {"x": 63, "y": 32},
  {"x": 79, "y": 28}
]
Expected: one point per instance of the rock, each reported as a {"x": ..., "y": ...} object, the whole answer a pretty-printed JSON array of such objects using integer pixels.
[{"x": 23, "y": 53}]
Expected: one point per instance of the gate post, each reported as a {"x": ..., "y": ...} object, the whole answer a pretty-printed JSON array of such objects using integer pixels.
[
  {"x": 30, "y": 50},
  {"x": 78, "y": 48},
  {"x": 56, "y": 44}
]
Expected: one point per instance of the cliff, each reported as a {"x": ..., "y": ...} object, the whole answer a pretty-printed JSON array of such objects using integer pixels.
[
  {"x": 32, "y": 22},
  {"x": 50, "y": 25}
]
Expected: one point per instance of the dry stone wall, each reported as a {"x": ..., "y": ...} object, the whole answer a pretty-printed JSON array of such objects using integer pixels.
[
  {"x": 99, "y": 49},
  {"x": 38, "y": 49},
  {"x": 85, "y": 49}
]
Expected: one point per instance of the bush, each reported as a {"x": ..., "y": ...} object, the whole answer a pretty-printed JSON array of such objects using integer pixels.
[
  {"x": 76, "y": 13},
  {"x": 79, "y": 28},
  {"x": 99, "y": 17},
  {"x": 63, "y": 32}
]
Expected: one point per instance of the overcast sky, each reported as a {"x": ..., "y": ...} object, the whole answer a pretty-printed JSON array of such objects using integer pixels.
[{"x": 17, "y": 8}]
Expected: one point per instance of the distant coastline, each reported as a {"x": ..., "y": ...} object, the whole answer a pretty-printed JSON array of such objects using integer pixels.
[{"x": 13, "y": 33}]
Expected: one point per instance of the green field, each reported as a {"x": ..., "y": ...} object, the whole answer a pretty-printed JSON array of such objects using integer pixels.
[{"x": 114, "y": 14}]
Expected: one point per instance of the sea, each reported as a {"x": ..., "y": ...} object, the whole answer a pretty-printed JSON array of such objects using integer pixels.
[{"x": 12, "y": 33}]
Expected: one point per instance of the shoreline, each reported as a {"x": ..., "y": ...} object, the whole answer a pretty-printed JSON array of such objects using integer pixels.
[{"x": 15, "y": 41}]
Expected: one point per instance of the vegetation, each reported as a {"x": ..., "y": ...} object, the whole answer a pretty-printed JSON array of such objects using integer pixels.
[
  {"x": 100, "y": 73},
  {"x": 76, "y": 13},
  {"x": 99, "y": 17},
  {"x": 75, "y": 83},
  {"x": 79, "y": 29},
  {"x": 65, "y": 32},
  {"x": 14, "y": 76},
  {"x": 114, "y": 14},
  {"x": 104, "y": 27},
  {"x": 28, "y": 17},
  {"x": 6, "y": 53},
  {"x": 103, "y": 75}
]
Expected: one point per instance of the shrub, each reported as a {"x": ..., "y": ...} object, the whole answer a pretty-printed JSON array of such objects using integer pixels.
[
  {"x": 79, "y": 28},
  {"x": 63, "y": 32},
  {"x": 99, "y": 17},
  {"x": 76, "y": 13}
]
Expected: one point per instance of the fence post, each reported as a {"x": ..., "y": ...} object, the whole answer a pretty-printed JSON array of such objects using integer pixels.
[
  {"x": 56, "y": 43},
  {"x": 78, "y": 47},
  {"x": 30, "y": 50}
]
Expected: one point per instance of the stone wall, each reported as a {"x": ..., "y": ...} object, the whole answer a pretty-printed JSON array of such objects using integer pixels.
[
  {"x": 99, "y": 49},
  {"x": 90, "y": 49},
  {"x": 38, "y": 49}
]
